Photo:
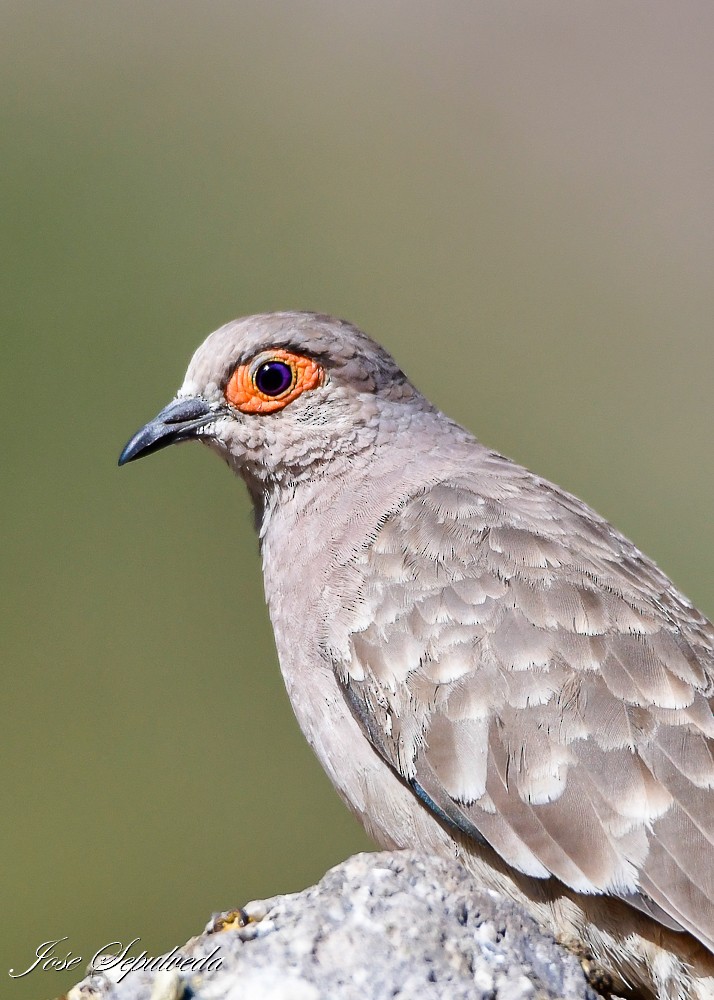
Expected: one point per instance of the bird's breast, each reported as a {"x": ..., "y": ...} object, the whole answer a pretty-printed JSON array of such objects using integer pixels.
[{"x": 312, "y": 586}]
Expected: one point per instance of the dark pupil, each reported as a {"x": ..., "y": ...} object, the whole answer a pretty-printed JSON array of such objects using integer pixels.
[{"x": 274, "y": 377}]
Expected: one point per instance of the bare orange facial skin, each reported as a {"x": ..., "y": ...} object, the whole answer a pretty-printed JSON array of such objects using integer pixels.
[{"x": 243, "y": 393}]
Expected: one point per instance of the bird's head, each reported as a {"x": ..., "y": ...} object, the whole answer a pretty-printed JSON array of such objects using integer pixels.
[{"x": 283, "y": 397}]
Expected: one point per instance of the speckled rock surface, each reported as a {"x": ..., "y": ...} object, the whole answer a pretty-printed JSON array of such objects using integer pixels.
[{"x": 378, "y": 926}]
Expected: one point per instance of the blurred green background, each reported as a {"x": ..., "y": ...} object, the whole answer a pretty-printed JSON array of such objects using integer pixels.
[{"x": 516, "y": 198}]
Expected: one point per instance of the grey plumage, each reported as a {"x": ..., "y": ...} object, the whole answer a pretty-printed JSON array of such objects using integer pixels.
[{"x": 483, "y": 665}]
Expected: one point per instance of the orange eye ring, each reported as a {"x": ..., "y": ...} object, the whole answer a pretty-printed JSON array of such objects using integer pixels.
[{"x": 243, "y": 391}]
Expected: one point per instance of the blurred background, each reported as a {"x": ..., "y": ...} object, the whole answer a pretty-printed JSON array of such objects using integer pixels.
[{"x": 517, "y": 199}]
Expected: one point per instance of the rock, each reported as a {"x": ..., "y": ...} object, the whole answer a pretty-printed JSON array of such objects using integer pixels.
[{"x": 391, "y": 925}]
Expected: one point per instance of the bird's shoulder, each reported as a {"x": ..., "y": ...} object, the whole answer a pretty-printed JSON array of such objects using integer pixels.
[{"x": 504, "y": 551}]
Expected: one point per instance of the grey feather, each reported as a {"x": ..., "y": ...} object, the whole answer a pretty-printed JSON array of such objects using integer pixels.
[{"x": 556, "y": 684}]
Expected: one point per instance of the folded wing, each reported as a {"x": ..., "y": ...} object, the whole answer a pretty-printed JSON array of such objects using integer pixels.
[{"x": 543, "y": 687}]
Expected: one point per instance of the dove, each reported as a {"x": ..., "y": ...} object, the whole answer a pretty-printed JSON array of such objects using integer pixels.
[{"x": 485, "y": 667}]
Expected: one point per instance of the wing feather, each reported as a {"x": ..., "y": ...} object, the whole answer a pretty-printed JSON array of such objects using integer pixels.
[{"x": 544, "y": 688}]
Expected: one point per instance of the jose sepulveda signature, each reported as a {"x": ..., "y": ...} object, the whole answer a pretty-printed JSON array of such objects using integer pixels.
[{"x": 53, "y": 956}]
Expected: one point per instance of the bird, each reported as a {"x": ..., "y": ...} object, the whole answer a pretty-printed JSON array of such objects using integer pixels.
[{"x": 486, "y": 668}]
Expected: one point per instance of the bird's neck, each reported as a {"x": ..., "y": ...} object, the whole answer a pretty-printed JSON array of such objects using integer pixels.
[{"x": 310, "y": 530}]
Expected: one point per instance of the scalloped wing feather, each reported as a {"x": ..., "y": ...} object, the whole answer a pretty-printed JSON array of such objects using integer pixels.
[{"x": 546, "y": 686}]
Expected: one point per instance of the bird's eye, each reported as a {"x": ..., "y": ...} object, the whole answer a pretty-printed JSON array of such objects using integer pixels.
[
  {"x": 271, "y": 381},
  {"x": 274, "y": 378}
]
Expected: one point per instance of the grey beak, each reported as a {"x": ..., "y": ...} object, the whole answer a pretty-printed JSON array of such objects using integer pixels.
[{"x": 178, "y": 421}]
